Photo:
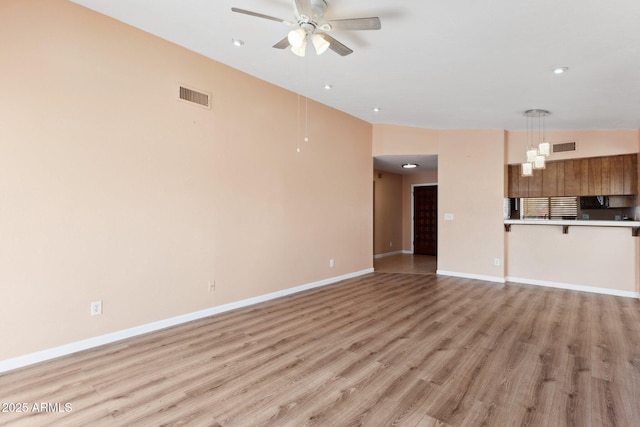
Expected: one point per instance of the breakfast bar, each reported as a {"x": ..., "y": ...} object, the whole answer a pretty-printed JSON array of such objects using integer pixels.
[{"x": 594, "y": 256}]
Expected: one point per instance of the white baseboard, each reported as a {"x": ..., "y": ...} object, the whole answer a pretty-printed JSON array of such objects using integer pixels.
[
  {"x": 402, "y": 252},
  {"x": 495, "y": 279},
  {"x": 63, "y": 350},
  {"x": 386, "y": 254},
  {"x": 572, "y": 287}
]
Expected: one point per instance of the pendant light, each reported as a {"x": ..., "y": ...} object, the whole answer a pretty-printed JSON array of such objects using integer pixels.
[{"x": 537, "y": 147}]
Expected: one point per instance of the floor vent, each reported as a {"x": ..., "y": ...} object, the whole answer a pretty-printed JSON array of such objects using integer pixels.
[
  {"x": 565, "y": 146},
  {"x": 196, "y": 97}
]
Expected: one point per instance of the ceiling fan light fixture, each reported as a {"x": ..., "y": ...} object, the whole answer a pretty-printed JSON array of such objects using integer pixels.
[
  {"x": 299, "y": 50},
  {"x": 297, "y": 37},
  {"x": 319, "y": 43}
]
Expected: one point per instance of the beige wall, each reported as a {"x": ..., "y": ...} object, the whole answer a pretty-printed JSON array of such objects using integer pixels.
[
  {"x": 113, "y": 190},
  {"x": 471, "y": 177},
  {"x": 592, "y": 143},
  {"x": 387, "y": 212}
]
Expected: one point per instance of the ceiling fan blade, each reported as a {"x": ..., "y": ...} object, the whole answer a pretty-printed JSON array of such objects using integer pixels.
[
  {"x": 336, "y": 46},
  {"x": 282, "y": 44},
  {"x": 260, "y": 15},
  {"x": 304, "y": 7},
  {"x": 372, "y": 23}
]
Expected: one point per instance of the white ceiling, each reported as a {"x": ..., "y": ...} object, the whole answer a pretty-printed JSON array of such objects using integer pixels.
[
  {"x": 393, "y": 163},
  {"x": 457, "y": 64}
]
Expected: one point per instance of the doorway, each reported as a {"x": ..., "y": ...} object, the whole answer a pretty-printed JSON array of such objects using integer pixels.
[{"x": 425, "y": 220}]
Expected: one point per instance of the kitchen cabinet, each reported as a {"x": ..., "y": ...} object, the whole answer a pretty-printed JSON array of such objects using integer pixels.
[
  {"x": 550, "y": 179},
  {"x": 605, "y": 168},
  {"x": 630, "y": 175},
  {"x": 616, "y": 179},
  {"x": 535, "y": 184},
  {"x": 513, "y": 178},
  {"x": 572, "y": 177},
  {"x": 594, "y": 176}
]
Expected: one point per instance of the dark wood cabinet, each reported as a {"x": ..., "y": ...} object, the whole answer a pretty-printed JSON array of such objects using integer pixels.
[
  {"x": 550, "y": 180},
  {"x": 630, "y": 178},
  {"x": 560, "y": 178},
  {"x": 616, "y": 179},
  {"x": 513, "y": 181},
  {"x": 572, "y": 177},
  {"x": 535, "y": 184},
  {"x": 605, "y": 169},
  {"x": 594, "y": 176}
]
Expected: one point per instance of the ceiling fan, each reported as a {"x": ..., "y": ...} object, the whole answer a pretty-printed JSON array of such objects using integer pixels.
[{"x": 309, "y": 18}]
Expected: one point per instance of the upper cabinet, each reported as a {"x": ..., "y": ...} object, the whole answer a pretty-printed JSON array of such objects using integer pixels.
[{"x": 610, "y": 175}]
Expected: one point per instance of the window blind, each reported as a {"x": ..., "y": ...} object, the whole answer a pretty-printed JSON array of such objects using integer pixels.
[
  {"x": 563, "y": 207},
  {"x": 550, "y": 208}
]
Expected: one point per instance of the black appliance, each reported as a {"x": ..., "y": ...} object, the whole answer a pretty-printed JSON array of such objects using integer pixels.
[{"x": 594, "y": 202}]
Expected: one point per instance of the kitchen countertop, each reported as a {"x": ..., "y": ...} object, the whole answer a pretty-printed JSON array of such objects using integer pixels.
[{"x": 588, "y": 223}]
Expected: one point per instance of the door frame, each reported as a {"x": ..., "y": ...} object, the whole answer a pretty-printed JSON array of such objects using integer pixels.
[{"x": 413, "y": 186}]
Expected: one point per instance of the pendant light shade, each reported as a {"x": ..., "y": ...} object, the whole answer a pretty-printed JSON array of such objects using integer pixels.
[
  {"x": 536, "y": 153},
  {"x": 544, "y": 148},
  {"x": 539, "y": 162}
]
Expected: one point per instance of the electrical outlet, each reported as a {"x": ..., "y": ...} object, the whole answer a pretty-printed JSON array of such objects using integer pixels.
[
  {"x": 331, "y": 263},
  {"x": 448, "y": 217},
  {"x": 96, "y": 308},
  {"x": 496, "y": 262},
  {"x": 212, "y": 286},
  {"x": 390, "y": 244}
]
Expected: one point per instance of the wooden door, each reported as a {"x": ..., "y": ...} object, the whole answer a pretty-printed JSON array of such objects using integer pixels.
[{"x": 425, "y": 220}]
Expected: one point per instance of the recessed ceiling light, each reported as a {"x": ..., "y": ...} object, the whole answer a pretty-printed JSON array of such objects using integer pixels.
[
  {"x": 237, "y": 42},
  {"x": 328, "y": 87},
  {"x": 410, "y": 165},
  {"x": 560, "y": 70},
  {"x": 377, "y": 109}
]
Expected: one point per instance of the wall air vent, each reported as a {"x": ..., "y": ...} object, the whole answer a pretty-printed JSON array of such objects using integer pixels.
[
  {"x": 194, "y": 96},
  {"x": 565, "y": 146}
]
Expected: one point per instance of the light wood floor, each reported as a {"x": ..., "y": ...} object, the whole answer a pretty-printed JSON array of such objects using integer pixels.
[
  {"x": 378, "y": 350},
  {"x": 404, "y": 263}
]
